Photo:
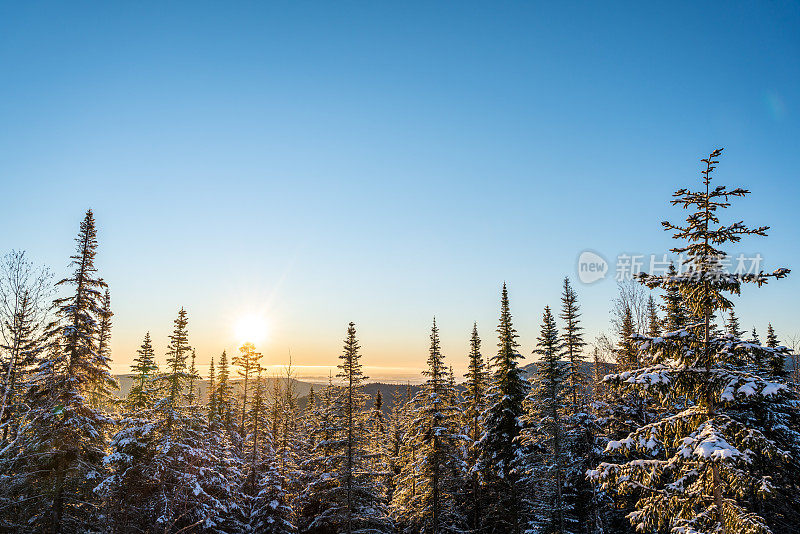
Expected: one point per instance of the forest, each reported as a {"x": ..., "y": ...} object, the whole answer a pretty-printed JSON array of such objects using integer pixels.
[{"x": 677, "y": 422}]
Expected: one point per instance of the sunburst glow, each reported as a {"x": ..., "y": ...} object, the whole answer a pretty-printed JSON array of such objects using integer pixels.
[{"x": 251, "y": 328}]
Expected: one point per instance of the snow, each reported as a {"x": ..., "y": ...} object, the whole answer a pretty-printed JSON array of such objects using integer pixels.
[
  {"x": 773, "y": 388},
  {"x": 748, "y": 389},
  {"x": 712, "y": 445}
]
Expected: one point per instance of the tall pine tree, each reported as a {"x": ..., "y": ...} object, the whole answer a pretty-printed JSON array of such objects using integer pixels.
[
  {"x": 427, "y": 487},
  {"x": 59, "y": 463},
  {"x": 474, "y": 405},
  {"x": 544, "y": 436},
  {"x": 497, "y": 462},
  {"x": 724, "y": 463}
]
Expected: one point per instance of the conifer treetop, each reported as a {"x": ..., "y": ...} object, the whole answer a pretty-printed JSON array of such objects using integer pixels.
[{"x": 703, "y": 234}]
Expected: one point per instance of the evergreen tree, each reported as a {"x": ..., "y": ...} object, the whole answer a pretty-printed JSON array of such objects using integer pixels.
[
  {"x": 580, "y": 429},
  {"x": 286, "y": 438},
  {"x": 772, "y": 339},
  {"x": 104, "y": 330},
  {"x": 474, "y": 405},
  {"x": 272, "y": 513},
  {"x": 675, "y": 316},
  {"x": 100, "y": 397},
  {"x": 653, "y": 322},
  {"x": 144, "y": 369},
  {"x": 321, "y": 466},
  {"x": 353, "y": 500},
  {"x": 754, "y": 337},
  {"x": 270, "y": 509},
  {"x": 176, "y": 376},
  {"x": 610, "y": 415},
  {"x": 311, "y": 399},
  {"x": 224, "y": 393},
  {"x": 213, "y": 411},
  {"x": 777, "y": 362},
  {"x": 255, "y": 435},
  {"x": 247, "y": 360},
  {"x": 378, "y": 447},
  {"x": 193, "y": 375},
  {"x": 425, "y": 498},
  {"x": 629, "y": 409},
  {"x": 544, "y": 434},
  {"x": 126, "y": 490},
  {"x": 732, "y": 325},
  {"x": 59, "y": 461},
  {"x": 627, "y": 354},
  {"x": 757, "y": 363},
  {"x": 573, "y": 343},
  {"x": 169, "y": 469},
  {"x": 399, "y": 426},
  {"x": 723, "y": 464},
  {"x": 505, "y": 397}
]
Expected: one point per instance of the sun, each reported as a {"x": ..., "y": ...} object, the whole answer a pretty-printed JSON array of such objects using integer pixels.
[{"x": 251, "y": 328}]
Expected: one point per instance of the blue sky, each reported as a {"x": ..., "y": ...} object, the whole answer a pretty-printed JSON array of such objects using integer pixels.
[{"x": 318, "y": 162}]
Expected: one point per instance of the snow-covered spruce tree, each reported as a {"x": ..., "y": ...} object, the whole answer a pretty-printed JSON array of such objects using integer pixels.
[
  {"x": 429, "y": 483},
  {"x": 772, "y": 338},
  {"x": 192, "y": 396},
  {"x": 377, "y": 430},
  {"x": 732, "y": 325},
  {"x": 248, "y": 363},
  {"x": 627, "y": 353},
  {"x": 653, "y": 321},
  {"x": 353, "y": 501},
  {"x": 778, "y": 361},
  {"x": 24, "y": 294},
  {"x": 399, "y": 424},
  {"x": 59, "y": 460},
  {"x": 727, "y": 462},
  {"x": 496, "y": 463},
  {"x": 266, "y": 509},
  {"x": 271, "y": 512},
  {"x": 100, "y": 398},
  {"x": 224, "y": 394},
  {"x": 287, "y": 440},
  {"x": 608, "y": 508},
  {"x": 176, "y": 375},
  {"x": 572, "y": 344},
  {"x": 310, "y": 434},
  {"x": 675, "y": 314},
  {"x": 219, "y": 479},
  {"x": 472, "y": 425},
  {"x": 211, "y": 407},
  {"x": 144, "y": 369},
  {"x": 310, "y": 400},
  {"x": 581, "y": 429},
  {"x": 758, "y": 363},
  {"x": 284, "y": 477},
  {"x": 754, "y": 337},
  {"x": 127, "y": 489},
  {"x": 318, "y": 480},
  {"x": 544, "y": 435},
  {"x": 455, "y": 395},
  {"x": 629, "y": 409},
  {"x": 186, "y": 479}
]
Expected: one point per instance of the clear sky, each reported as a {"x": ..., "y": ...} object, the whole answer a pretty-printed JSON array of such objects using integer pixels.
[{"x": 384, "y": 162}]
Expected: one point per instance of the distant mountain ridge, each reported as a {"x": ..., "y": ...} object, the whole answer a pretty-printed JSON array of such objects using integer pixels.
[{"x": 303, "y": 388}]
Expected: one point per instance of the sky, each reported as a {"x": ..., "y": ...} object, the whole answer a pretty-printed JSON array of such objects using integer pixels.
[{"x": 316, "y": 163}]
